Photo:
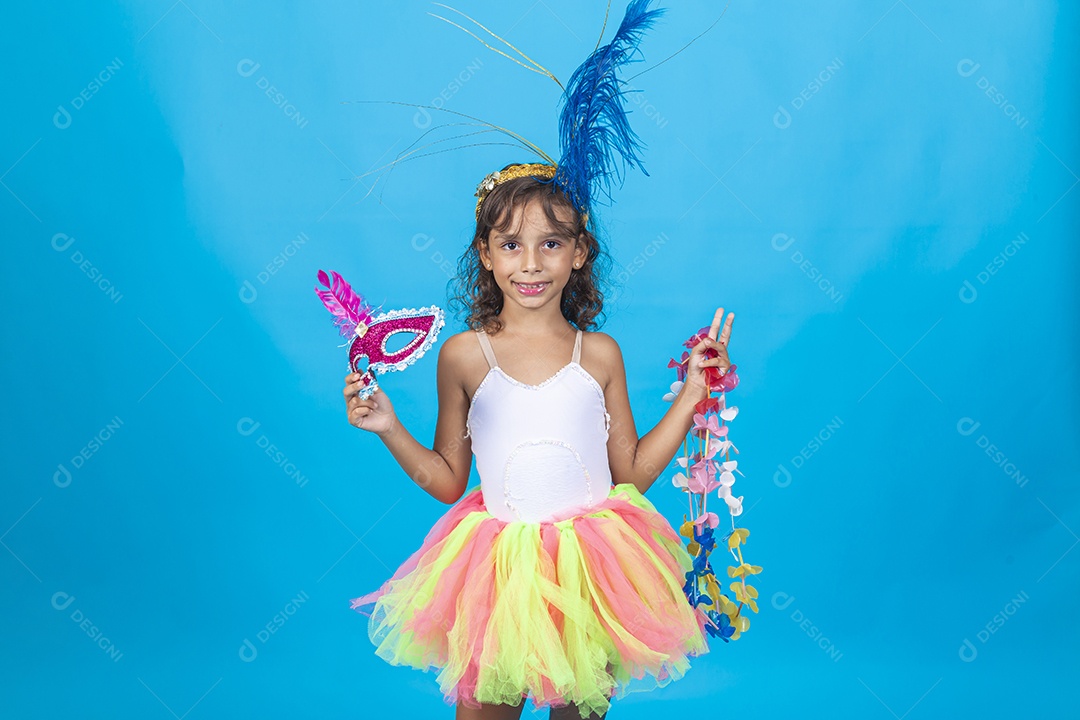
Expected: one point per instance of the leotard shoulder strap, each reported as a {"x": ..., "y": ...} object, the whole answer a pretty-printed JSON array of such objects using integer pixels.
[
  {"x": 489, "y": 352},
  {"x": 485, "y": 345}
]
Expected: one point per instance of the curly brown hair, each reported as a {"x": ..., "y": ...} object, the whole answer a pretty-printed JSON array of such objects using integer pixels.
[{"x": 477, "y": 293}]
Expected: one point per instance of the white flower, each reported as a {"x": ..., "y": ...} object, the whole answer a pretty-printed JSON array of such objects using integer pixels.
[
  {"x": 726, "y": 478},
  {"x": 719, "y": 446},
  {"x": 734, "y": 505},
  {"x": 675, "y": 388}
]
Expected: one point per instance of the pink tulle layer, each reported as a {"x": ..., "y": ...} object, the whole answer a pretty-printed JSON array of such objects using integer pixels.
[{"x": 569, "y": 610}]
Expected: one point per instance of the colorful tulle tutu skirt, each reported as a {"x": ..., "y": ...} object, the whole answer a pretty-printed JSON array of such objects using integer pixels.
[{"x": 578, "y": 610}]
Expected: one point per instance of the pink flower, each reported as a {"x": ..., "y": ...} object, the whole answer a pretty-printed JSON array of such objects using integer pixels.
[
  {"x": 710, "y": 517},
  {"x": 703, "y": 477},
  {"x": 721, "y": 382},
  {"x": 707, "y": 423},
  {"x": 697, "y": 456}
]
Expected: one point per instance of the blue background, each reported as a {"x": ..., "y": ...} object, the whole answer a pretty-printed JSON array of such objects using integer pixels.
[{"x": 883, "y": 192}]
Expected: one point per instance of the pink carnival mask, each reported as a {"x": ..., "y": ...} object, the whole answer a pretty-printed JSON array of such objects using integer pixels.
[{"x": 356, "y": 319}]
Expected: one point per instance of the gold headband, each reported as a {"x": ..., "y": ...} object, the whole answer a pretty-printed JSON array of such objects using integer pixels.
[{"x": 493, "y": 180}]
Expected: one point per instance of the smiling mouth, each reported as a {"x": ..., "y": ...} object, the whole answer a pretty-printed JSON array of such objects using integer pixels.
[{"x": 531, "y": 288}]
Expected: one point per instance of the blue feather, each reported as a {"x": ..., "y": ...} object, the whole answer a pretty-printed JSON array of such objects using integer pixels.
[{"x": 594, "y": 130}]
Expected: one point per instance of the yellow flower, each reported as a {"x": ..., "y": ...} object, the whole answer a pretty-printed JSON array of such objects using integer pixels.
[
  {"x": 743, "y": 570},
  {"x": 713, "y": 588},
  {"x": 745, "y": 594}
]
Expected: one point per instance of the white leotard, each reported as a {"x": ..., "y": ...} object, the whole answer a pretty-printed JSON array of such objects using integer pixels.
[{"x": 541, "y": 450}]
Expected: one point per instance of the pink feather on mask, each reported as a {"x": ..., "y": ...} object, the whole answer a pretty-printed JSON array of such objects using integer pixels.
[{"x": 348, "y": 307}]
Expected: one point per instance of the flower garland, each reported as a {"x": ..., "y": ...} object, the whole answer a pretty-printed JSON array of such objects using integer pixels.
[{"x": 701, "y": 472}]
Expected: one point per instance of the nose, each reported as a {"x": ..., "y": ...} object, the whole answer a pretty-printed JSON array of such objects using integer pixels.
[{"x": 530, "y": 259}]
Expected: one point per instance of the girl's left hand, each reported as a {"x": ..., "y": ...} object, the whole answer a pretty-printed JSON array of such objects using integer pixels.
[{"x": 695, "y": 371}]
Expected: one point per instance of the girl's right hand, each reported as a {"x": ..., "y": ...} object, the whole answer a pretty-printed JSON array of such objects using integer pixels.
[{"x": 376, "y": 414}]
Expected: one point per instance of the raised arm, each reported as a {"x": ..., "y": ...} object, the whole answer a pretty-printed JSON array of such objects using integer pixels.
[
  {"x": 641, "y": 461},
  {"x": 443, "y": 472}
]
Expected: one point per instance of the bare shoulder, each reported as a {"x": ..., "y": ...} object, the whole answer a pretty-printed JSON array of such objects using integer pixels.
[
  {"x": 458, "y": 357},
  {"x": 602, "y": 352},
  {"x": 459, "y": 350}
]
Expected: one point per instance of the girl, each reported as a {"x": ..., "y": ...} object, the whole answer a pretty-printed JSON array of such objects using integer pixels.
[{"x": 554, "y": 577}]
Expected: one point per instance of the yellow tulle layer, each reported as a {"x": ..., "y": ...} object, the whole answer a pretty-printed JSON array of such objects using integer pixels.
[{"x": 572, "y": 611}]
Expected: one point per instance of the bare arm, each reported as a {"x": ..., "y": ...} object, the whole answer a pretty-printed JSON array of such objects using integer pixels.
[
  {"x": 641, "y": 461},
  {"x": 443, "y": 472}
]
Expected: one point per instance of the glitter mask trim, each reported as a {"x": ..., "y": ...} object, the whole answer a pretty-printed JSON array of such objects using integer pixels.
[{"x": 356, "y": 319}]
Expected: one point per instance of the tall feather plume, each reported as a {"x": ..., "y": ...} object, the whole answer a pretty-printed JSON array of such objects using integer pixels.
[
  {"x": 349, "y": 308},
  {"x": 593, "y": 123}
]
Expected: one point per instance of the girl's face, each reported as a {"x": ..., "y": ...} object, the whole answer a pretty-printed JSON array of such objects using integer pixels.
[{"x": 532, "y": 259}]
